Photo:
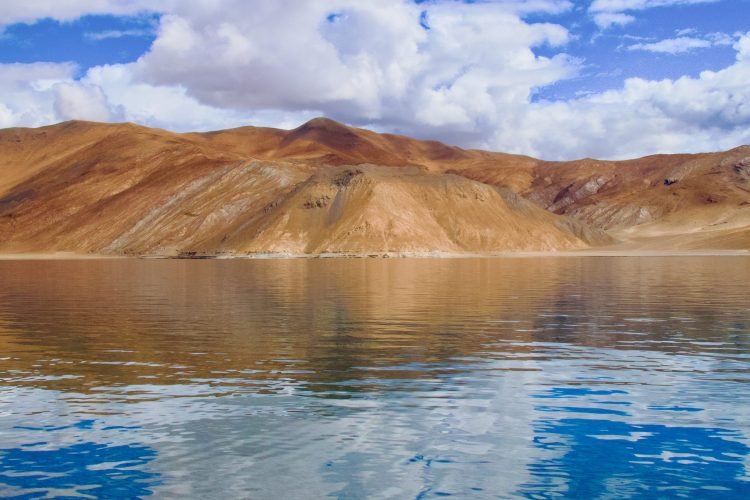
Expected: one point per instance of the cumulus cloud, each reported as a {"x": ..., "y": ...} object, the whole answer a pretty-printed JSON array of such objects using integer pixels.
[
  {"x": 74, "y": 101},
  {"x": 172, "y": 108},
  {"x": 709, "y": 112},
  {"x": 40, "y": 93},
  {"x": 389, "y": 63},
  {"x": 26, "y": 92}
]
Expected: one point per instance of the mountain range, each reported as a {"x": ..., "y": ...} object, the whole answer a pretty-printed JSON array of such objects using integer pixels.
[{"x": 327, "y": 188}]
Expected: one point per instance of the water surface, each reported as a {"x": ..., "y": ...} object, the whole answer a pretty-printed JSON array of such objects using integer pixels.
[{"x": 488, "y": 378}]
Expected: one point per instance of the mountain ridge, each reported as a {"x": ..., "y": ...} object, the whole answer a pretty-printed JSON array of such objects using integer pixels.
[{"x": 126, "y": 189}]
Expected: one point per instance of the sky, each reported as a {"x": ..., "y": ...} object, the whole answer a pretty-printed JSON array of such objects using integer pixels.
[{"x": 555, "y": 79}]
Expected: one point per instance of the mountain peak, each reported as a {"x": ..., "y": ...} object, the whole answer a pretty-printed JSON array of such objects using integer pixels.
[
  {"x": 328, "y": 133},
  {"x": 321, "y": 122}
]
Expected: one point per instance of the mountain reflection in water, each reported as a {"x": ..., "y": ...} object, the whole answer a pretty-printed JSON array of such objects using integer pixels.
[{"x": 580, "y": 377}]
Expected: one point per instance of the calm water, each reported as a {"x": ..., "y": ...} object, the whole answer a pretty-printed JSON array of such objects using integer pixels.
[{"x": 486, "y": 378}]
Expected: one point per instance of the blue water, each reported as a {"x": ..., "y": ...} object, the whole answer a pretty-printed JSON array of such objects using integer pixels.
[{"x": 480, "y": 378}]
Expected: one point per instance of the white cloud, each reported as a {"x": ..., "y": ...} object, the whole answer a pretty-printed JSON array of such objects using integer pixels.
[
  {"x": 607, "y": 13},
  {"x": 41, "y": 93},
  {"x": 28, "y": 11},
  {"x": 105, "y": 35},
  {"x": 623, "y": 5},
  {"x": 26, "y": 92},
  {"x": 709, "y": 112},
  {"x": 546, "y": 6},
  {"x": 686, "y": 32},
  {"x": 170, "y": 107},
  {"x": 672, "y": 45},
  {"x": 607, "y": 19},
  {"x": 720, "y": 39},
  {"x": 683, "y": 44},
  {"x": 74, "y": 101},
  {"x": 372, "y": 63}
]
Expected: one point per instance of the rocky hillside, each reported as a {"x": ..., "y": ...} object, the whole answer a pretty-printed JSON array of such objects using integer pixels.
[{"x": 328, "y": 188}]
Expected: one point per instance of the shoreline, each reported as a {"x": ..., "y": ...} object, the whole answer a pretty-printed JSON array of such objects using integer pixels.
[
  {"x": 485, "y": 255},
  {"x": 59, "y": 256},
  {"x": 385, "y": 255}
]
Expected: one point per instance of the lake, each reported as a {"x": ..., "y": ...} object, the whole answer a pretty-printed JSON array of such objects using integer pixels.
[{"x": 578, "y": 377}]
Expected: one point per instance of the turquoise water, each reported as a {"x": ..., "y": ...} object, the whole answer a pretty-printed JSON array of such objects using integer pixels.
[{"x": 479, "y": 378}]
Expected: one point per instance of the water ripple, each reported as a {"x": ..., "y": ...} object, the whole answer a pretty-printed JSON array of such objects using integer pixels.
[{"x": 536, "y": 378}]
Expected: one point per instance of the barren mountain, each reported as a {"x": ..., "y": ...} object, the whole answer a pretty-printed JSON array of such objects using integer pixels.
[{"x": 328, "y": 188}]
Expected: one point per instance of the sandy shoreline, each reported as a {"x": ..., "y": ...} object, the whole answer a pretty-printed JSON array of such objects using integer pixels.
[
  {"x": 611, "y": 252},
  {"x": 521, "y": 254}
]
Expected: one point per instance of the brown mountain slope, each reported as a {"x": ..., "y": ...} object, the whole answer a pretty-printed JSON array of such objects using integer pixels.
[
  {"x": 626, "y": 197},
  {"x": 324, "y": 141},
  {"x": 674, "y": 197},
  {"x": 129, "y": 189},
  {"x": 122, "y": 188},
  {"x": 401, "y": 209}
]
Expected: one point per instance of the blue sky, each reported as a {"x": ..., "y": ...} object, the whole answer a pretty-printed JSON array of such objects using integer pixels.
[
  {"x": 609, "y": 61},
  {"x": 551, "y": 78},
  {"x": 88, "y": 41}
]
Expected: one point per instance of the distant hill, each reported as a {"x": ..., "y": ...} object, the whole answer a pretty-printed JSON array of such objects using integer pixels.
[{"x": 325, "y": 187}]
